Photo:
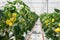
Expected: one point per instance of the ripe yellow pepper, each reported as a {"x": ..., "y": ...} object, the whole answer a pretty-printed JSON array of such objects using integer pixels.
[
  {"x": 59, "y": 24},
  {"x": 47, "y": 24},
  {"x": 12, "y": 19},
  {"x": 57, "y": 30},
  {"x": 52, "y": 20},
  {"x": 14, "y": 14},
  {"x": 8, "y": 22},
  {"x": 46, "y": 21}
]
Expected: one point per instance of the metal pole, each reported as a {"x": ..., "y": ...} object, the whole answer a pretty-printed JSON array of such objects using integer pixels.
[{"x": 47, "y": 6}]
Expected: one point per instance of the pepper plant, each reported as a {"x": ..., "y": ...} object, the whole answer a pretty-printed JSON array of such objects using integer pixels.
[
  {"x": 17, "y": 20},
  {"x": 51, "y": 24}
]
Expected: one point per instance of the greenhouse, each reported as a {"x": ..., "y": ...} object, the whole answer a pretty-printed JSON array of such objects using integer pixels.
[{"x": 29, "y": 19}]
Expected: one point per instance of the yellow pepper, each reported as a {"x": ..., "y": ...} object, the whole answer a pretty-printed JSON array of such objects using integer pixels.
[
  {"x": 52, "y": 20},
  {"x": 14, "y": 14},
  {"x": 46, "y": 24},
  {"x": 46, "y": 21},
  {"x": 57, "y": 30},
  {"x": 59, "y": 24},
  {"x": 8, "y": 22},
  {"x": 12, "y": 19}
]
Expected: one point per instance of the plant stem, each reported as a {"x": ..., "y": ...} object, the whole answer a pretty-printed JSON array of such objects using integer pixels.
[
  {"x": 59, "y": 37},
  {"x": 7, "y": 36}
]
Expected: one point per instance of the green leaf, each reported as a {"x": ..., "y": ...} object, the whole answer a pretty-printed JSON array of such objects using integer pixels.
[
  {"x": 10, "y": 2},
  {"x": 57, "y": 10}
]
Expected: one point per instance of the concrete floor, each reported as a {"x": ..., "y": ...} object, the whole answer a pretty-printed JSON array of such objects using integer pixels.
[{"x": 37, "y": 32}]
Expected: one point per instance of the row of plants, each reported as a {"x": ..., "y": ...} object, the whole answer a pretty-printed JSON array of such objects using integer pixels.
[
  {"x": 51, "y": 24},
  {"x": 16, "y": 20}
]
